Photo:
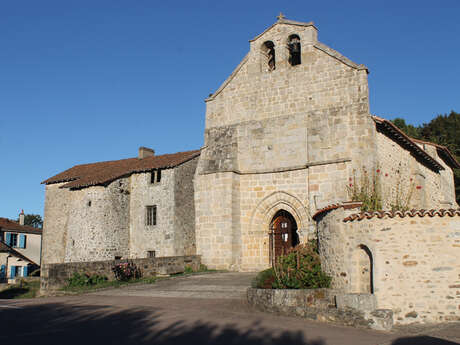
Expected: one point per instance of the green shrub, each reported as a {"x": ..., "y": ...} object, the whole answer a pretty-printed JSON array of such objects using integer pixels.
[
  {"x": 264, "y": 279},
  {"x": 188, "y": 269},
  {"x": 84, "y": 279},
  {"x": 300, "y": 268}
]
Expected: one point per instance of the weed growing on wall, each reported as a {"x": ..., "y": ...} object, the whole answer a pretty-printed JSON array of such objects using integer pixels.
[{"x": 367, "y": 188}]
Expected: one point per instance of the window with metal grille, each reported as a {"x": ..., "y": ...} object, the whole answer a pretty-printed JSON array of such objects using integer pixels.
[{"x": 151, "y": 215}]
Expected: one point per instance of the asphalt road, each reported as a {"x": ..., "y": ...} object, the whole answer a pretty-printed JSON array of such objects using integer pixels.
[{"x": 205, "y": 310}]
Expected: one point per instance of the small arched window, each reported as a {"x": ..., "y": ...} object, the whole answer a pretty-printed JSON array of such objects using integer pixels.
[
  {"x": 268, "y": 51},
  {"x": 294, "y": 50}
]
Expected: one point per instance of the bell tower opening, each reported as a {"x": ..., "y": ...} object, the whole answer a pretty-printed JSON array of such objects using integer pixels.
[
  {"x": 294, "y": 50},
  {"x": 268, "y": 51},
  {"x": 283, "y": 234}
]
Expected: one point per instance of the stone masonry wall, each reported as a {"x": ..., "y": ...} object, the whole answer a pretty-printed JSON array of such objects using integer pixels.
[
  {"x": 97, "y": 225},
  {"x": 282, "y": 139},
  {"x": 57, "y": 205},
  {"x": 399, "y": 169},
  {"x": 55, "y": 276},
  {"x": 184, "y": 208},
  {"x": 415, "y": 262},
  {"x": 159, "y": 237}
]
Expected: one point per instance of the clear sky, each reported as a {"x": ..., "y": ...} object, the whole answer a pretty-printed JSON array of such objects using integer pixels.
[{"x": 86, "y": 81}]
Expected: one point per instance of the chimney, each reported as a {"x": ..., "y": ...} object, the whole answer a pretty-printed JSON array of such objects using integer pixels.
[
  {"x": 21, "y": 218},
  {"x": 145, "y": 152}
]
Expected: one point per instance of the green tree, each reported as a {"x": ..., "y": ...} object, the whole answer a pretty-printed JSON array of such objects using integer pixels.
[{"x": 443, "y": 130}]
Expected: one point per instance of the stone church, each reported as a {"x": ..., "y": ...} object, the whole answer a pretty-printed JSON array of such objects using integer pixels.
[{"x": 287, "y": 135}]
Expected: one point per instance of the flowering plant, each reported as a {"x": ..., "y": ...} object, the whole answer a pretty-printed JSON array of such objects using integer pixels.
[
  {"x": 367, "y": 188},
  {"x": 125, "y": 271}
]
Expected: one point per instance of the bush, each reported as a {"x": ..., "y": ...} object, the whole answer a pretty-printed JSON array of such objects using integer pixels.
[
  {"x": 264, "y": 279},
  {"x": 188, "y": 269},
  {"x": 300, "y": 268},
  {"x": 126, "y": 271},
  {"x": 84, "y": 279}
]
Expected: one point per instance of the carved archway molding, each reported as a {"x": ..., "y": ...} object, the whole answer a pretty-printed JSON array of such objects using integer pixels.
[{"x": 266, "y": 209}]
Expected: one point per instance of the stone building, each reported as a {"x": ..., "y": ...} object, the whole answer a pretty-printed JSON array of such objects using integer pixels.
[
  {"x": 129, "y": 208},
  {"x": 289, "y": 138},
  {"x": 287, "y": 134}
]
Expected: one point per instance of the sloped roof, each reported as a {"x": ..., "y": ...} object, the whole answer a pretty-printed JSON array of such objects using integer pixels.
[
  {"x": 392, "y": 131},
  {"x": 92, "y": 174},
  {"x": 8, "y": 224},
  {"x": 443, "y": 152},
  {"x": 4, "y": 248}
]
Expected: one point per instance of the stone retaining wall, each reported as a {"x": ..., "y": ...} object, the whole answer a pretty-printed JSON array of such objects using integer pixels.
[
  {"x": 54, "y": 276},
  {"x": 410, "y": 262},
  {"x": 321, "y": 305}
]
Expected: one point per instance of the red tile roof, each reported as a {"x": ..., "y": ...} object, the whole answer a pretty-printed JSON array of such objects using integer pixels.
[
  {"x": 92, "y": 174},
  {"x": 411, "y": 213},
  {"x": 7, "y": 224},
  {"x": 4, "y": 248},
  {"x": 346, "y": 205}
]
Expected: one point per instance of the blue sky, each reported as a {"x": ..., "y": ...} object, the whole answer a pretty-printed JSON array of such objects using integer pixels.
[{"x": 86, "y": 81}]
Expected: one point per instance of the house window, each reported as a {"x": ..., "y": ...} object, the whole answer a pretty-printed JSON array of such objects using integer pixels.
[
  {"x": 15, "y": 240},
  {"x": 150, "y": 253},
  {"x": 151, "y": 215},
  {"x": 155, "y": 176},
  {"x": 11, "y": 239}
]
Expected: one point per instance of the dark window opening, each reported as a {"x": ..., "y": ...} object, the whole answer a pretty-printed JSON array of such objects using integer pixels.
[
  {"x": 14, "y": 240},
  {"x": 150, "y": 253},
  {"x": 117, "y": 257},
  {"x": 155, "y": 176},
  {"x": 268, "y": 50},
  {"x": 151, "y": 215},
  {"x": 294, "y": 50},
  {"x": 89, "y": 203}
]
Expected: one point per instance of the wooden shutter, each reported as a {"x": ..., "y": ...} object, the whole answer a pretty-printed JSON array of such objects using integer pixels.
[
  {"x": 13, "y": 272},
  {"x": 22, "y": 241},
  {"x": 25, "y": 271},
  {"x": 8, "y": 238}
]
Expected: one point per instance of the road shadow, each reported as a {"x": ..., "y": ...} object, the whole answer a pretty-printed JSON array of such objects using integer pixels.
[
  {"x": 422, "y": 340},
  {"x": 83, "y": 325}
]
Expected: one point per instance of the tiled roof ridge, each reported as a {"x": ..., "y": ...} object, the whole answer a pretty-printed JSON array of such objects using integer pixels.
[
  {"x": 412, "y": 213},
  {"x": 346, "y": 205},
  {"x": 407, "y": 142},
  {"x": 91, "y": 174},
  {"x": 8, "y": 224}
]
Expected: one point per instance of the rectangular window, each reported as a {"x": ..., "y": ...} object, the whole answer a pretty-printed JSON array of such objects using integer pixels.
[
  {"x": 155, "y": 176},
  {"x": 151, "y": 215},
  {"x": 150, "y": 253},
  {"x": 14, "y": 240}
]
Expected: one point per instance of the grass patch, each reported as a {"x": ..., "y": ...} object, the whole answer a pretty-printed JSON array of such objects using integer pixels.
[
  {"x": 21, "y": 290},
  {"x": 102, "y": 284}
]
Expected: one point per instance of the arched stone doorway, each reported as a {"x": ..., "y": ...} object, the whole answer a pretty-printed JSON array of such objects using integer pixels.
[
  {"x": 364, "y": 270},
  {"x": 283, "y": 234}
]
